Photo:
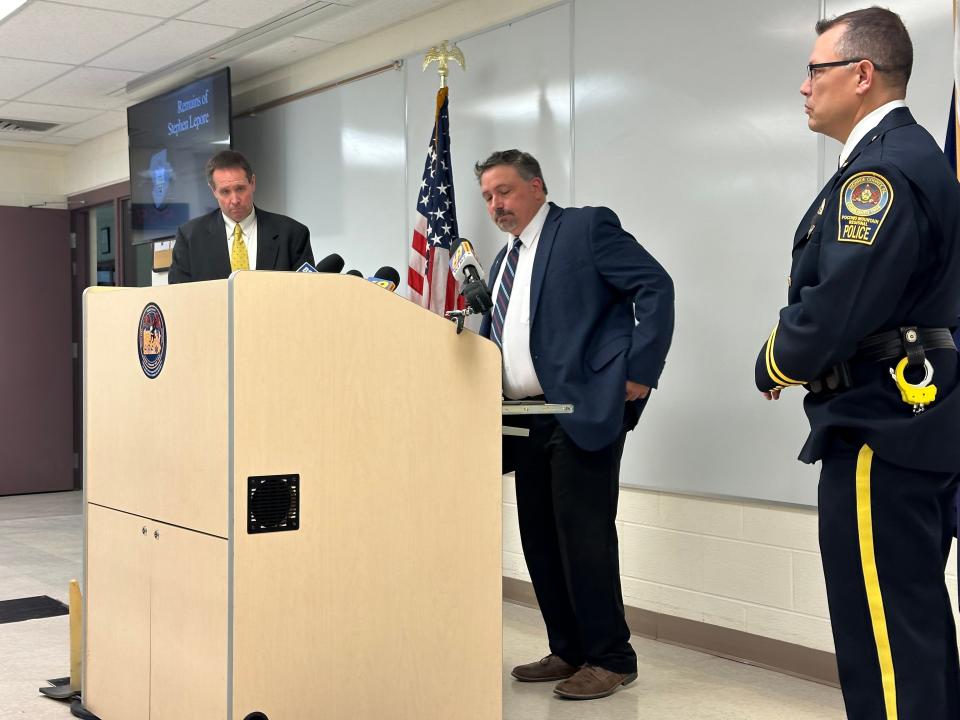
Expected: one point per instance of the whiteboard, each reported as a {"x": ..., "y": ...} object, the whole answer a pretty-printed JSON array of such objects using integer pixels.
[
  {"x": 335, "y": 161},
  {"x": 685, "y": 118}
]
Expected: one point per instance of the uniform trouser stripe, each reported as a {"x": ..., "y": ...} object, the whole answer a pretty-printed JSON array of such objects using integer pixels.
[{"x": 872, "y": 582}]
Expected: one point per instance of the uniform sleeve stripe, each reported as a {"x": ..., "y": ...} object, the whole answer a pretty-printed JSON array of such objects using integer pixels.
[{"x": 772, "y": 370}]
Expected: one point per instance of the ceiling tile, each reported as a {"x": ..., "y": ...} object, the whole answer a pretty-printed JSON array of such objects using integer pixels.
[
  {"x": 95, "y": 127},
  {"x": 66, "y": 33},
  {"x": 239, "y": 13},
  {"x": 45, "y": 113},
  {"x": 84, "y": 87},
  {"x": 59, "y": 139},
  {"x": 20, "y": 76},
  {"x": 348, "y": 23},
  {"x": 284, "y": 52},
  {"x": 163, "y": 45},
  {"x": 156, "y": 8}
]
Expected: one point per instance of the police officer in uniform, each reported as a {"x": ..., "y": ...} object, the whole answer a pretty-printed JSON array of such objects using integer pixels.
[{"x": 873, "y": 296}]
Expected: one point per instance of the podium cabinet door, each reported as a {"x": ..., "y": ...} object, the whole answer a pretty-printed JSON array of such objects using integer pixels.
[
  {"x": 188, "y": 625},
  {"x": 117, "y": 648}
]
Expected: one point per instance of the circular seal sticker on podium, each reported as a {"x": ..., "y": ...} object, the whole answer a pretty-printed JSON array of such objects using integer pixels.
[{"x": 152, "y": 340}]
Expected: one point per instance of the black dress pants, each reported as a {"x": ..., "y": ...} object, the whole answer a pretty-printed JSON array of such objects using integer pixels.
[
  {"x": 567, "y": 506},
  {"x": 885, "y": 533}
]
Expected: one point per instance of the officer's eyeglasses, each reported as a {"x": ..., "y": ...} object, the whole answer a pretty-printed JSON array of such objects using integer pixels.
[{"x": 813, "y": 67}]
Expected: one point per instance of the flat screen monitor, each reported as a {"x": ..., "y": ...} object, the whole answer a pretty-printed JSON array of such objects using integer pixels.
[{"x": 171, "y": 138}]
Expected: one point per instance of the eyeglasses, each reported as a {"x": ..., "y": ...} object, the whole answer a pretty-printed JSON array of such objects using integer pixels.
[{"x": 812, "y": 67}]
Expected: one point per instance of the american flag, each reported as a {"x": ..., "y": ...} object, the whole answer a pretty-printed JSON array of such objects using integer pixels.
[{"x": 429, "y": 278}]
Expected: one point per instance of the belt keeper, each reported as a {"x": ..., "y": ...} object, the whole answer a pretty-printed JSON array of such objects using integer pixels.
[{"x": 912, "y": 346}]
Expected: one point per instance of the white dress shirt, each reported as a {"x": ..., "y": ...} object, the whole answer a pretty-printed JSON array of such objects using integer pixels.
[
  {"x": 519, "y": 378},
  {"x": 867, "y": 123},
  {"x": 249, "y": 228}
]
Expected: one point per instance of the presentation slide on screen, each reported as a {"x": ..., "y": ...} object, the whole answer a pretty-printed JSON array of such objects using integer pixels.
[{"x": 171, "y": 138}]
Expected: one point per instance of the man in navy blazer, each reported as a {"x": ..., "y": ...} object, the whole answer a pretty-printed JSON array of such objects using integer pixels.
[
  {"x": 583, "y": 315},
  {"x": 236, "y": 236}
]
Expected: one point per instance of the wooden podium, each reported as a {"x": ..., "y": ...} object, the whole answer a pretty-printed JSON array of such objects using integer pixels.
[{"x": 299, "y": 517}]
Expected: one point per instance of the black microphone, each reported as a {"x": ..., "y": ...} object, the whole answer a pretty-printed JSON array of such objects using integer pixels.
[
  {"x": 355, "y": 273},
  {"x": 386, "y": 277},
  {"x": 467, "y": 270},
  {"x": 332, "y": 263}
]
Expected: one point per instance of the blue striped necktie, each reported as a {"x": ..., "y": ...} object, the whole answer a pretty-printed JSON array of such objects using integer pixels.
[{"x": 503, "y": 295}]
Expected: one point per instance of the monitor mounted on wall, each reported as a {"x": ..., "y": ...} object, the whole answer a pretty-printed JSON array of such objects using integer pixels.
[{"x": 171, "y": 137}]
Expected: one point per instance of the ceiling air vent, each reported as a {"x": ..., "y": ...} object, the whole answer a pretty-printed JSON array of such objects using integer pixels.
[{"x": 25, "y": 126}]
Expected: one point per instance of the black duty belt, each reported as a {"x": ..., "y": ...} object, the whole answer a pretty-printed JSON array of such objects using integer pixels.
[
  {"x": 894, "y": 344},
  {"x": 911, "y": 342}
]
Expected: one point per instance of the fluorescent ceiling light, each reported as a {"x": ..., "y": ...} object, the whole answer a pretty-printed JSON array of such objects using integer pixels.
[{"x": 9, "y": 6}]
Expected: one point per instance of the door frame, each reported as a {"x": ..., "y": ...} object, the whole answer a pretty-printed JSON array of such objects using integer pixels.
[{"x": 80, "y": 206}]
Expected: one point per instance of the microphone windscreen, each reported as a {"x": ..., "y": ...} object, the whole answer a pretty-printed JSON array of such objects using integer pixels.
[
  {"x": 388, "y": 273},
  {"x": 355, "y": 273},
  {"x": 332, "y": 263}
]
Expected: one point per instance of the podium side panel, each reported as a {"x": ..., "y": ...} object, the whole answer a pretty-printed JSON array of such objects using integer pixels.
[
  {"x": 158, "y": 447},
  {"x": 389, "y": 594}
]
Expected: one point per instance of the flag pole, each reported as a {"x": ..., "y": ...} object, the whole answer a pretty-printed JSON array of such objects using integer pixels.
[
  {"x": 430, "y": 282},
  {"x": 442, "y": 55}
]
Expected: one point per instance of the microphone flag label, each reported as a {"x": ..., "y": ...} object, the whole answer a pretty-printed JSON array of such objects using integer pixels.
[
  {"x": 307, "y": 267},
  {"x": 385, "y": 284},
  {"x": 152, "y": 340},
  {"x": 456, "y": 264}
]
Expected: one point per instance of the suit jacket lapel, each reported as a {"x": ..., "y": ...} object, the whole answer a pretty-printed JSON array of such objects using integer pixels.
[
  {"x": 216, "y": 240},
  {"x": 268, "y": 241},
  {"x": 544, "y": 246},
  {"x": 495, "y": 267}
]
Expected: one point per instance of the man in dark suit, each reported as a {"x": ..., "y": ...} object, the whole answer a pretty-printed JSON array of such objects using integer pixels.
[
  {"x": 237, "y": 236},
  {"x": 874, "y": 292},
  {"x": 583, "y": 315}
]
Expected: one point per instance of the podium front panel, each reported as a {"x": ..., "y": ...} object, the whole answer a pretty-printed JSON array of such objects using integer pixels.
[{"x": 157, "y": 447}]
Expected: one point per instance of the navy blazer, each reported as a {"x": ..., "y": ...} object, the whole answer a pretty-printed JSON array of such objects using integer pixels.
[
  {"x": 200, "y": 251},
  {"x": 601, "y": 312},
  {"x": 878, "y": 249}
]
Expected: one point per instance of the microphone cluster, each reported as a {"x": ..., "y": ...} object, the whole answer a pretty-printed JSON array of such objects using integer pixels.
[{"x": 386, "y": 277}]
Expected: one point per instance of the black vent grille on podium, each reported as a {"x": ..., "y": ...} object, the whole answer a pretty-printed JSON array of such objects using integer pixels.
[{"x": 273, "y": 503}]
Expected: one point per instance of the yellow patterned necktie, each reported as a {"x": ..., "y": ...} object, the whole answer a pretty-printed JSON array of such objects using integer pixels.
[{"x": 238, "y": 251}]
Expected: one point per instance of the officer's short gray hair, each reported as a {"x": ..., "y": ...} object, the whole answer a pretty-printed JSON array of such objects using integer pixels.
[{"x": 878, "y": 35}]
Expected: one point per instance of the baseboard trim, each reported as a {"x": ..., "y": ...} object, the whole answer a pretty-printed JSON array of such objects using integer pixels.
[{"x": 788, "y": 658}]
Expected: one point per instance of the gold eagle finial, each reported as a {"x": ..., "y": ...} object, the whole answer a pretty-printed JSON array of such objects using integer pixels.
[{"x": 442, "y": 55}]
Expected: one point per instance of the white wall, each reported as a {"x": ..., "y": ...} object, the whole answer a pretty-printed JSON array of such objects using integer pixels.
[
  {"x": 746, "y": 566},
  {"x": 31, "y": 177},
  {"x": 97, "y": 163}
]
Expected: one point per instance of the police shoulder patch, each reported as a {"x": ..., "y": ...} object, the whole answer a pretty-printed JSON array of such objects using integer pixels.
[{"x": 865, "y": 200}]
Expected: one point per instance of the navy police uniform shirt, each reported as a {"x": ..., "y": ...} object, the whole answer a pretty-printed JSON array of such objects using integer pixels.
[{"x": 878, "y": 249}]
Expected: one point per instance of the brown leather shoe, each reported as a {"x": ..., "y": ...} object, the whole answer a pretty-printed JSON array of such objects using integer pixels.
[
  {"x": 591, "y": 682},
  {"x": 549, "y": 668}
]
